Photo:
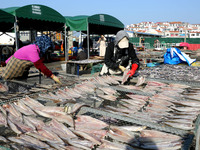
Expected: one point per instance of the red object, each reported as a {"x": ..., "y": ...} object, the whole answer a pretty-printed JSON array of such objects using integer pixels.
[
  {"x": 185, "y": 44},
  {"x": 40, "y": 66},
  {"x": 194, "y": 46},
  {"x": 133, "y": 69}
]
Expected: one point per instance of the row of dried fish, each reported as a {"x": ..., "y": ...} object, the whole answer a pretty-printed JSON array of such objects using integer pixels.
[
  {"x": 172, "y": 72},
  {"x": 84, "y": 88},
  {"x": 171, "y": 104},
  {"x": 159, "y": 108},
  {"x": 83, "y": 132}
]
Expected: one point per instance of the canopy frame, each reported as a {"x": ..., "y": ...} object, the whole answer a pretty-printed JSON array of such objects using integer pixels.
[{"x": 108, "y": 24}]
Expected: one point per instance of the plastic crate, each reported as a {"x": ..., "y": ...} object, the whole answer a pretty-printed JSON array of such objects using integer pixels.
[{"x": 96, "y": 68}]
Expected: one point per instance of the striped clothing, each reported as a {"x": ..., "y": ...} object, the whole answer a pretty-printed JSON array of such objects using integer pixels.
[{"x": 16, "y": 68}]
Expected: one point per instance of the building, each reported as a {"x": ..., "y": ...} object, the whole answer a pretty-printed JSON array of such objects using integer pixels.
[
  {"x": 194, "y": 35},
  {"x": 167, "y": 29}
]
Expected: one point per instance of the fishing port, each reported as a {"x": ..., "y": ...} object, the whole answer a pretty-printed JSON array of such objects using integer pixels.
[{"x": 59, "y": 91}]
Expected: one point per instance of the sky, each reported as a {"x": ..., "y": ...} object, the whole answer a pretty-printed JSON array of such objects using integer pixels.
[{"x": 127, "y": 11}]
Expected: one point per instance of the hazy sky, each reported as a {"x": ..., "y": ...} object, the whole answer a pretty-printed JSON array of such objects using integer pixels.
[{"x": 127, "y": 11}]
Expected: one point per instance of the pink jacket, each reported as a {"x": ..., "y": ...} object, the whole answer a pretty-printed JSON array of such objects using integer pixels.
[{"x": 29, "y": 52}]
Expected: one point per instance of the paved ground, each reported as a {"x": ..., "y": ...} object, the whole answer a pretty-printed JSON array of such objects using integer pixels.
[{"x": 56, "y": 67}]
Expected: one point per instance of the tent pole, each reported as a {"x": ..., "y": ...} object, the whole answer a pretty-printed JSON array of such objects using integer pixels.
[
  {"x": 88, "y": 37},
  {"x": 66, "y": 46},
  {"x": 16, "y": 33},
  {"x": 66, "y": 57}
]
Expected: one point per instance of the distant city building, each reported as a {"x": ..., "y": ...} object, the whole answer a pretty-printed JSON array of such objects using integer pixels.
[
  {"x": 167, "y": 29},
  {"x": 194, "y": 34}
]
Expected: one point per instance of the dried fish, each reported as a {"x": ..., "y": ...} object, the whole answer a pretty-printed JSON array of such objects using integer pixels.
[
  {"x": 125, "y": 76},
  {"x": 108, "y": 97},
  {"x": 84, "y": 121},
  {"x": 172, "y": 72},
  {"x": 87, "y": 137},
  {"x": 184, "y": 126},
  {"x": 3, "y": 88},
  {"x": 122, "y": 135},
  {"x": 140, "y": 81},
  {"x": 133, "y": 128},
  {"x": 29, "y": 142}
]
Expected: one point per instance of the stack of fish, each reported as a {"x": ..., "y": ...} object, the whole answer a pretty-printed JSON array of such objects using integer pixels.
[{"x": 62, "y": 131}]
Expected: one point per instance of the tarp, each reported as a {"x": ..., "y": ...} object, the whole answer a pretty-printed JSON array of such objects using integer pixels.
[
  {"x": 98, "y": 23},
  {"x": 6, "y": 21},
  {"x": 77, "y": 23},
  {"x": 38, "y": 17},
  {"x": 174, "y": 56}
]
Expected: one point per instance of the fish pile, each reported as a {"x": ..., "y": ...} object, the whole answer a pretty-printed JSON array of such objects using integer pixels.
[
  {"x": 62, "y": 131},
  {"x": 172, "y": 72}
]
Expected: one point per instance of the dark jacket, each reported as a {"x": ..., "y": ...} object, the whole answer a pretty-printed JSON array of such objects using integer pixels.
[
  {"x": 81, "y": 56},
  {"x": 121, "y": 57}
]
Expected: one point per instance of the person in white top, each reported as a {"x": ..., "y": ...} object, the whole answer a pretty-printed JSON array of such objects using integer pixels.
[{"x": 102, "y": 45}]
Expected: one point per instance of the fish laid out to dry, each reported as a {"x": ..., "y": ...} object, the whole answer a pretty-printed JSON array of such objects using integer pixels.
[
  {"x": 130, "y": 87},
  {"x": 125, "y": 76},
  {"x": 84, "y": 121},
  {"x": 3, "y": 88},
  {"x": 21, "y": 107},
  {"x": 107, "y": 145},
  {"x": 29, "y": 141},
  {"x": 172, "y": 72},
  {"x": 108, "y": 90},
  {"x": 108, "y": 97},
  {"x": 110, "y": 80},
  {"x": 156, "y": 83},
  {"x": 140, "y": 81},
  {"x": 133, "y": 128},
  {"x": 121, "y": 134},
  {"x": 76, "y": 107},
  {"x": 184, "y": 126}
]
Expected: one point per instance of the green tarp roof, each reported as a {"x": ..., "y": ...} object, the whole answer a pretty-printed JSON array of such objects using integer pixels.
[
  {"x": 77, "y": 23},
  {"x": 37, "y": 17},
  {"x": 99, "y": 23},
  {"x": 6, "y": 20}
]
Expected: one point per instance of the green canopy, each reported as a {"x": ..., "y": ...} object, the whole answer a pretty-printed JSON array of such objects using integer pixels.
[
  {"x": 98, "y": 24},
  {"x": 6, "y": 21},
  {"x": 37, "y": 17},
  {"x": 77, "y": 23}
]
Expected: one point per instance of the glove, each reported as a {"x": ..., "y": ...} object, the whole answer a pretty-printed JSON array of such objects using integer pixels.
[
  {"x": 122, "y": 68},
  {"x": 133, "y": 69},
  {"x": 56, "y": 79}
]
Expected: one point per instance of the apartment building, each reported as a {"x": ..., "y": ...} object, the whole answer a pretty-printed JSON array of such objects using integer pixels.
[{"x": 167, "y": 29}]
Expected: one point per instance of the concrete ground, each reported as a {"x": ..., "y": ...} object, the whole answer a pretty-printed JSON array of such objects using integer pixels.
[{"x": 56, "y": 67}]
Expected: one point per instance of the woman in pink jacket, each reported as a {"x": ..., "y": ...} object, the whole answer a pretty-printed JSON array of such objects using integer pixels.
[{"x": 18, "y": 65}]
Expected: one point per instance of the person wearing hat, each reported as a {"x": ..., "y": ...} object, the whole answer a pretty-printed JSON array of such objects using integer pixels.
[
  {"x": 102, "y": 45},
  {"x": 120, "y": 55},
  {"x": 18, "y": 65}
]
